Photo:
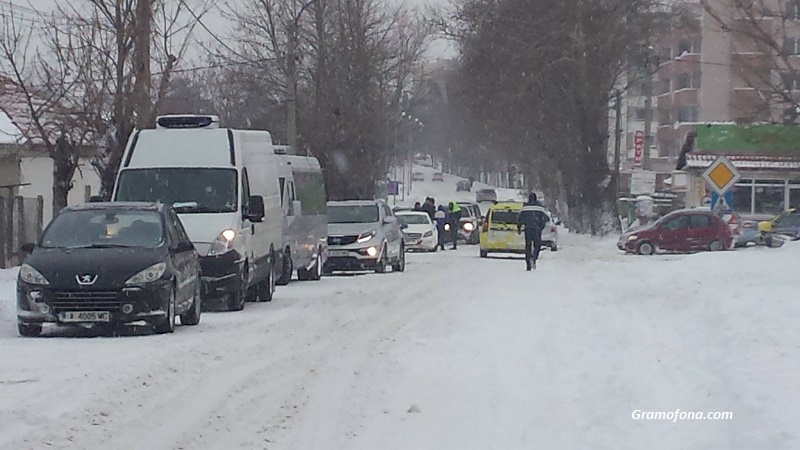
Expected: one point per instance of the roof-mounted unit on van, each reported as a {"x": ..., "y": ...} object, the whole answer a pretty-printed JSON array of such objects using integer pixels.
[{"x": 178, "y": 121}]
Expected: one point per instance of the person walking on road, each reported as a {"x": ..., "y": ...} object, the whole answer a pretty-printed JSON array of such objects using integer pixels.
[
  {"x": 454, "y": 218},
  {"x": 532, "y": 220},
  {"x": 441, "y": 220}
]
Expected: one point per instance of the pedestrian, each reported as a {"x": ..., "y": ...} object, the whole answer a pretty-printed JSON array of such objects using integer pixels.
[
  {"x": 532, "y": 220},
  {"x": 455, "y": 222},
  {"x": 440, "y": 216},
  {"x": 417, "y": 206},
  {"x": 429, "y": 207}
]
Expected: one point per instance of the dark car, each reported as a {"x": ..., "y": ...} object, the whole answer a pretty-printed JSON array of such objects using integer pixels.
[
  {"x": 110, "y": 263},
  {"x": 486, "y": 195},
  {"x": 785, "y": 227},
  {"x": 679, "y": 231},
  {"x": 463, "y": 185}
]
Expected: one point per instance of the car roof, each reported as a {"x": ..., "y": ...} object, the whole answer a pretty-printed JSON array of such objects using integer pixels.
[
  {"x": 355, "y": 202},
  {"x": 133, "y": 206}
]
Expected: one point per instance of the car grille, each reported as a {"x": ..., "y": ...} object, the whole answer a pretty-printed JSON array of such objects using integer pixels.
[
  {"x": 85, "y": 301},
  {"x": 414, "y": 235},
  {"x": 342, "y": 240}
]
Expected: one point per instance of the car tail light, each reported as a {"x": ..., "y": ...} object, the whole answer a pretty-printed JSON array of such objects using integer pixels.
[
  {"x": 748, "y": 225},
  {"x": 552, "y": 228}
]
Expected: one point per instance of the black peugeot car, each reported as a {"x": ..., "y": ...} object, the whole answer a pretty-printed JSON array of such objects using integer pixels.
[{"x": 110, "y": 263}]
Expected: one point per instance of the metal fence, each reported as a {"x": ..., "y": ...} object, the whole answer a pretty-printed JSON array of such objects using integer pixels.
[{"x": 20, "y": 222}]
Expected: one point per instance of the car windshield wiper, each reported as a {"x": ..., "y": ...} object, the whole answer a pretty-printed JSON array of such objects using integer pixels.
[{"x": 102, "y": 246}]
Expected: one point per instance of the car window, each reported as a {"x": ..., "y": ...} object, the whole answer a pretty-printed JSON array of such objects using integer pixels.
[
  {"x": 414, "y": 219},
  {"x": 504, "y": 217},
  {"x": 387, "y": 212},
  {"x": 788, "y": 220},
  {"x": 183, "y": 236},
  {"x": 699, "y": 221},
  {"x": 676, "y": 223}
]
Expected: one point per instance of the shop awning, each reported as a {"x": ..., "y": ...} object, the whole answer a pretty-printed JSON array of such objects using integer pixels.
[{"x": 702, "y": 161}]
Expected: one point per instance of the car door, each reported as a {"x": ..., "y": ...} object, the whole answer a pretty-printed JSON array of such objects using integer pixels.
[
  {"x": 673, "y": 234},
  {"x": 186, "y": 261},
  {"x": 701, "y": 231},
  {"x": 392, "y": 230}
]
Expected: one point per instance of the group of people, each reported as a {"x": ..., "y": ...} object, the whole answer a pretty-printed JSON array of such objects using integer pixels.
[{"x": 442, "y": 216}]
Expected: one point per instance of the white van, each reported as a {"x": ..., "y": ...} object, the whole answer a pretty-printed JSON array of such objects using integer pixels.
[
  {"x": 305, "y": 227},
  {"x": 224, "y": 185}
]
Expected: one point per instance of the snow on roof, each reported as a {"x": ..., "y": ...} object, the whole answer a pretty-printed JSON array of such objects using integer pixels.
[
  {"x": 9, "y": 133},
  {"x": 742, "y": 162}
]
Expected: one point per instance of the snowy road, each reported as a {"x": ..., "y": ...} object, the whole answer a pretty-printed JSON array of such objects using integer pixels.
[{"x": 484, "y": 354}]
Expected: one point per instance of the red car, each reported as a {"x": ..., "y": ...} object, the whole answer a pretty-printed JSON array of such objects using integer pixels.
[{"x": 680, "y": 231}]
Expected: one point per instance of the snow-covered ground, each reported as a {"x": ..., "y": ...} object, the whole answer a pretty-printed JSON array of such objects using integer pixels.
[{"x": 458, "y": 352}]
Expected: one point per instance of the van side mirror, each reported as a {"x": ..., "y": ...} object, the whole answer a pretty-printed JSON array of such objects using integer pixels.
[
  {"x": 27, "y": 248},
  {"x": 256, "y": 211},
  {"x": 97, "y": 199},
  {"x": 297, "y": 208}
]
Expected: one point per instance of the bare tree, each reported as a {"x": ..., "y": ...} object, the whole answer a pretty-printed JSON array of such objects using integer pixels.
[{"x": 765, "y": 36}]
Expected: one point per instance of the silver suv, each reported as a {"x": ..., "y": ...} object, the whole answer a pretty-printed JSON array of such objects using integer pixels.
[{"x": 364, "y": 235}]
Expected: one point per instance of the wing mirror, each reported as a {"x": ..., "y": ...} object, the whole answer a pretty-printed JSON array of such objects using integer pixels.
[
  {"x": 388, "y": 220},
  {"x": 27, "y": 248},
  {"x": 256, "y": 211},
  {"x": 182, "y": 247},
  {"x": 403, "y": 226}
]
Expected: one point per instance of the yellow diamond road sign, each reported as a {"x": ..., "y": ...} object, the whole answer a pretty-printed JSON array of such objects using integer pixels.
[{"x": 721, "y": 175}]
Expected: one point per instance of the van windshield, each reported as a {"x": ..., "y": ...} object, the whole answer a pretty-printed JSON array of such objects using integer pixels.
[{"x": 212, "y": 190}]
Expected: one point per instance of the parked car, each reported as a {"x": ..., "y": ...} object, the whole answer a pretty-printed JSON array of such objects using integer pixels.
[
  {"x": 499, "y": 232},
  {"x": 486, "y": 195},
  {"x": 305, "y": 236},
  {"x": 418, "y": 176},
  {"x": 470, "y": 226},
  {"x": 420, "y": 232},
  {"x": 224, "y": 185},
  {"x": 680, "y": 231},
  {"x": 748, "y": 232},
  {"x": 734, "y": 223},
  {"x": 438, "y": 176},
  {"x": 463, "y": 185},
  {"x": 104, "y": 263},
  {"x": 364, "y": 235},
  {"x": 785, "y": 226}
]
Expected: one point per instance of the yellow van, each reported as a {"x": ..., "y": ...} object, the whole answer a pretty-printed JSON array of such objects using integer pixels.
[{"x": 499, "y": 232}]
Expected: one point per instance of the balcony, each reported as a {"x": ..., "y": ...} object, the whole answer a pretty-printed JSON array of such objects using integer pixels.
[{"x": 685, "y": 97}]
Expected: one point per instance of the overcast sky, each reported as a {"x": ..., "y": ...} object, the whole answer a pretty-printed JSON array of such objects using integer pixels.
[{"x": 221, "y": 27}]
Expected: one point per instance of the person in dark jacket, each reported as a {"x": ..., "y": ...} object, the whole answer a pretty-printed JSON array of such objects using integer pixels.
[
  {"x": 417, "y": 206},
  {"x": 532, "y": 220},
  {"x": 429, "y": 207},
  {"x": 454, "y": 219}
]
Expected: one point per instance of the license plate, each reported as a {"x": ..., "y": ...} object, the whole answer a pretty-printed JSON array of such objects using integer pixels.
[
  {"x": 84, "y": 316},
  {"x": 336, "y": 253}
]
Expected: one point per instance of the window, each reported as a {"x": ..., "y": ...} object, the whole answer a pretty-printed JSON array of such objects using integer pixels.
[
  {"x": 698, "y": 221},
  {"x": 666, "y": 86},
  {"x": 790, "y": 46},
  {"x": 106, "y": 228},
  {"x": 504, "y": 217},
  {"x": 201, "y": 190},
  {"x": 245, "y": 191},
  {"x": 684, "y": 81},
  {"x": 684, "y": 47},
  {"x": 793, "y": 10},
  {"x": 182, "y": 235},
  {"x": 638, "y": 114},
  {"x": 769, "y": 199},
  {"x": 676, "y": 223},
  {"x": 794, "y": 197},
  {"x": 290, "y": 197},
  {"x": 310, "y": 190},
  {"x": 666, "y": 54},
  {"x": 282, "y": 184},
  {"x": 353, "y": 214},
  {"x": 742, "y": 198},
  {"x": 688, "y": 113},
  {"x": 387, "y": 212},
  {"x": 789, "y": 81}
]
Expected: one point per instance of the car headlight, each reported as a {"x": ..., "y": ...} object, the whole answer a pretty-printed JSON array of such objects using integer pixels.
[
  {"x": 223, "y": 243},
  {"x": 372, "y": 251},
  {"x": 428, "y": 234},
  {"x": 152, "y": 273},
  {"x": 32, "y": 276},
  {"x": 447, "y": 227},
  {"x": 468, "y": 226},
  {"x": 632, "y": 237},
  {"x": 365, "y": 237}
]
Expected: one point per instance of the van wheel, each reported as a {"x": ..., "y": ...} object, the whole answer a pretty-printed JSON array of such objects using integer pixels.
[
  {"x": 236, "y": 299},
  {"x": 715, "y": 246},
  {"x": 192, "y": 316},
  {"x": 286, "y": 269},
  {"x": 645, "y": 248},
  {"x": 266, "y": 289},
  {"x": 400, "y": 265},
  {"x": 29, "y": 329}
]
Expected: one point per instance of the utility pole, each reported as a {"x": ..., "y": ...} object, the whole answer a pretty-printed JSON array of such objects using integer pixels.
[
  {"x": 617, "y": 141},
  {"x": 648, "y": 106},
  {"x": 141, "y": 63}
]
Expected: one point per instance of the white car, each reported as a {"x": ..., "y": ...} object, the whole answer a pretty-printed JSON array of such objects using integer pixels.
[
  {"x": 420, "y": 232},
  {"x": 418, "y": 176},
  {"x": 550, "y": 234},
  {"x": 438, "y": 176}
]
